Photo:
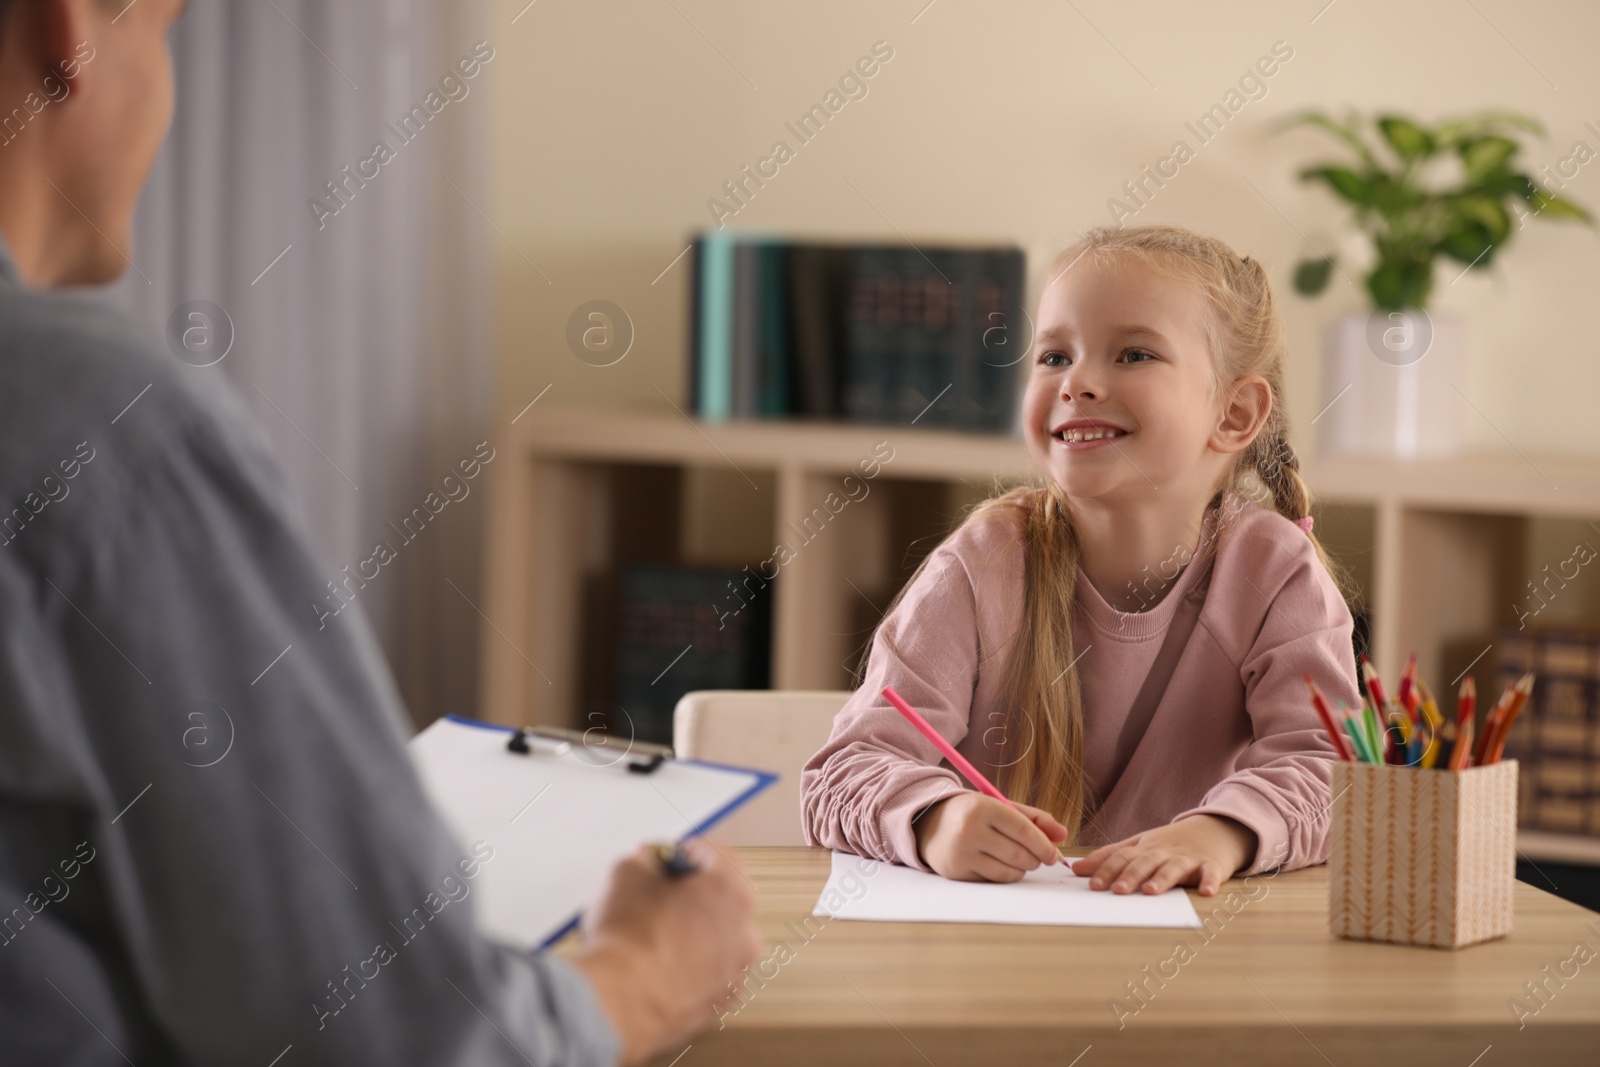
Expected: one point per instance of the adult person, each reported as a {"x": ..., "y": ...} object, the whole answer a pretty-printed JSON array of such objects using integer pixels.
[{"x": 151, "y": 563}]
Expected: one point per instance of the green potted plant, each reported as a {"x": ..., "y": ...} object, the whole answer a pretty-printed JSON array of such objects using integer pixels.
[{"x": 1417, "y": 193}]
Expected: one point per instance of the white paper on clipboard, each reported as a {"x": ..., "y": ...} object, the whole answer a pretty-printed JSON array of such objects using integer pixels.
[{"x": 557, "y": 824}]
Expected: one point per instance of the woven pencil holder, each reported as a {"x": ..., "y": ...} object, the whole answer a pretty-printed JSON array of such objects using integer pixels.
[{"x": 1422, "y": 857}]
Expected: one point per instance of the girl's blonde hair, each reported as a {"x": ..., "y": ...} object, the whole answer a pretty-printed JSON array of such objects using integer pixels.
[{"x": 1043, "y": 762}]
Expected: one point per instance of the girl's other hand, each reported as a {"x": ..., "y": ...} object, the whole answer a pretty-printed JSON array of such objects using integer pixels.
[
  {"x": 1202, "y": 849},
  {"x": 975, "y": 838}
]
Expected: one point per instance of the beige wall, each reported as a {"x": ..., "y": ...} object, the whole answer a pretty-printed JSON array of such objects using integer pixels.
[{"x": 615, "y": 122}]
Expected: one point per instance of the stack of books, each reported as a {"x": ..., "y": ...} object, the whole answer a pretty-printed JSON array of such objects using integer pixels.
[
  {"x": 683, "y": 629},
  {"x": 1557, "y": 737},
  {"x": 877, "y": 333}
]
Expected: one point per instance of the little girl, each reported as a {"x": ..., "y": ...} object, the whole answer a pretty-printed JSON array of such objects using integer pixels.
[{"x": 1123, "y": 648}]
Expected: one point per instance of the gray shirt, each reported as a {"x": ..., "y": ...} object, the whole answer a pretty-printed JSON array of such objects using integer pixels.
[{"x": 213, "y": 849}]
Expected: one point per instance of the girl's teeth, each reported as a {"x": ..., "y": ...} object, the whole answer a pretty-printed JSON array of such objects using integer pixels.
[{"x": 1076, "y": 436}]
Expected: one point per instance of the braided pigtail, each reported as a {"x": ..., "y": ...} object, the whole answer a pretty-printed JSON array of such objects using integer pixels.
[{"x": 1273, "y": 460}]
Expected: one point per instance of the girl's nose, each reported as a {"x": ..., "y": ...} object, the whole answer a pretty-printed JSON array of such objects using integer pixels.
[{"x": 1077, "y": 384}]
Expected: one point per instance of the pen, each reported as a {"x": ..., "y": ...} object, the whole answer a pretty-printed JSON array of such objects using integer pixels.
[
  {"x": 948, "y": 751},
  {"x": 675, "y": 862}
]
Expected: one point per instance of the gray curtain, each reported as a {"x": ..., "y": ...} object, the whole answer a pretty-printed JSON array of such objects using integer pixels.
[{"x": 361, "y": 337}]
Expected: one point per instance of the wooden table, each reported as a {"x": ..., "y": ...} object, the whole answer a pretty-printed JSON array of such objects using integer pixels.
[{"x": 1265, "y": 983}]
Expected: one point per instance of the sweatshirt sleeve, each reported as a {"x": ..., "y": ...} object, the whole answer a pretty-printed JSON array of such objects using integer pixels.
[
  {"x": 266, "y": 870},
  {"x": 864, "y": 790},
  {"x": 1280, "y": 785}
]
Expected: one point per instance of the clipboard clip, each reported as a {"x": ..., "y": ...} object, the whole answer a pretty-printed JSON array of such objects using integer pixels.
[{"x": 595, "y": 749}]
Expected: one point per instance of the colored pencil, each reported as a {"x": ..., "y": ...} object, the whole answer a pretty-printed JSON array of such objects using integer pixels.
[
  {"x": 948, "y": 751},
  {"x": 1490, "y": 723},
  {"x": 1411, "y": 731},
  {"x": 1377, "y": 739},
  {"x": 1407, "y": 695},
  {"x": 1398, "y": 720},
  {"x": 1341, "y": 744},
  {"x": 1434, "y": 721},
  {"x": 1400, "y": 753},
  {"x": 1461, "y": 755},
  {"x": 1429, "y": 707},
  {"x": 1439, "y": 751},
  {"x": 1519, "y": 700},
  {"x": 1369, "y": 676},
  {"x": 1352, "y": 726},
  {"x": 1466, "y": 703}
]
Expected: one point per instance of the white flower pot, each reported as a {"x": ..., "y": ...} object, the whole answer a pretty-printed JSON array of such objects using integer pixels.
[{"x": 1389, "y": 385}]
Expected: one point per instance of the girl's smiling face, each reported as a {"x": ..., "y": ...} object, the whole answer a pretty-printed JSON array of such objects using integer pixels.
[{"x": 1121, "y": 400}]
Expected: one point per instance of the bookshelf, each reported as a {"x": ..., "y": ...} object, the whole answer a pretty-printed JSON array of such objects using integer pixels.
[{"x": 1437, "y": 549}]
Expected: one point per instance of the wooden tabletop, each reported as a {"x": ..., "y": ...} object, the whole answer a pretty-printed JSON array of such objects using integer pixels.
[{"x": 1264, "y": 983}]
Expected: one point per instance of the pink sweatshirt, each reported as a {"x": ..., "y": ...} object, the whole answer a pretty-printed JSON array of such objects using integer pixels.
[{"x": 1196, "y": 705}]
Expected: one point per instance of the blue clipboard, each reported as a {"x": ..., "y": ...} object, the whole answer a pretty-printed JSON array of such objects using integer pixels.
[{"x": 554, "y": 822}]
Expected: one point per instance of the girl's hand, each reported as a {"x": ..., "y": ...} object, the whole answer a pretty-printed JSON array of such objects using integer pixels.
[
  {"x": 974, "y": 838},
  {"x": 1207, "y": 849}
]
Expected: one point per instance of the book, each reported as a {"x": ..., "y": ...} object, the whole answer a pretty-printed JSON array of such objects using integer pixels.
[
  {"x": 999, "y": 338},
  {"x": 871, "y": 316},
  {"x": 747, "y": 330},
  {"x": 714, "y": 299},
  {"x": 773, "y": 332},
  {"x": 816, "y": 342},
  {"x": 682, "y": 629},
  {"x": 1556, "y": 738},
  {"x": 696, "y": 317},
  {"x": 872, "y": 333},
  {"x": 926, "y": 348}
]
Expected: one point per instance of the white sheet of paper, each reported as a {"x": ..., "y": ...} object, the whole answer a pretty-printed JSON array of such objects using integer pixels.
[{"x": 860, "y": 888}]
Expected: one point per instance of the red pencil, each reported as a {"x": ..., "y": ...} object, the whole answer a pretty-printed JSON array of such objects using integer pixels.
[
  {"x": 1407, "y": 695},
  {"x": 1341, "y": 742},
  {"x": 1369, "y": 675},
  {"x": 1466, "y": 703},
  {"x": 948, "y": 751}
]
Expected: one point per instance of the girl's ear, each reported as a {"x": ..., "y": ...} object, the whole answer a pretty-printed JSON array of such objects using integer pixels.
[{"x": 1244, "y": 413}]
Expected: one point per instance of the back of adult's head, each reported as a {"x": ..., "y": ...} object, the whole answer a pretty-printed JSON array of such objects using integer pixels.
[{"x": 85, "y": 100}]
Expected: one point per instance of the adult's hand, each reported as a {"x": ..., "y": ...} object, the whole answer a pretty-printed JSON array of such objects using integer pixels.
[{"x": 662, "y": 952}]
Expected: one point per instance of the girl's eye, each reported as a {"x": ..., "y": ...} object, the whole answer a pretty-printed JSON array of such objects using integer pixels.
[
  {"x": 1130, "y": 353},
  {"x": 1052, "y": 359}
]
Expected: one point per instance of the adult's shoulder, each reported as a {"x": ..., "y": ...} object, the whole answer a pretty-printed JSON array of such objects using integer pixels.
[
  {"x": 84, "y": 388},
  {"x": 70, "y": 364}
]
